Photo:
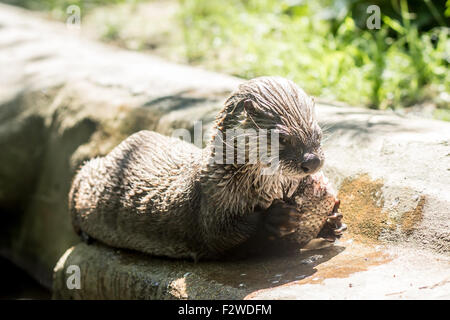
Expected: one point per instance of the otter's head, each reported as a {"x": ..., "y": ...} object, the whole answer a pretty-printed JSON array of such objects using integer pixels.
[{"x": 275, "y": 103}]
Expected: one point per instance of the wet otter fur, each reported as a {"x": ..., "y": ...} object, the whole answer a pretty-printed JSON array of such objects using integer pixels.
[{"x": 166, "y": 197}]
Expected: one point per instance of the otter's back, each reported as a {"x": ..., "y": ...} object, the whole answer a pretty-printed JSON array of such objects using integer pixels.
[{"x": 150, "y": 176}]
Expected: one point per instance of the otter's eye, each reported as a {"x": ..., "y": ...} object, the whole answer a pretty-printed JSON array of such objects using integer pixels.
[{"x": 284, "y": 140}]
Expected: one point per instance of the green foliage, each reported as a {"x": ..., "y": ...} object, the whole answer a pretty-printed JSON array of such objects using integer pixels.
[{"x": 322, "y": 46}]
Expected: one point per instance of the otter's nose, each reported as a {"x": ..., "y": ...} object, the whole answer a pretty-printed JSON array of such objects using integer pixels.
[{"x": 310, "y": 163}]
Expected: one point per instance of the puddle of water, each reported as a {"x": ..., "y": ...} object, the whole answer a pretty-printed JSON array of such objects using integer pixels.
[
  {"x": 269, "y": 271},
  {"x": 355, "y": 258},
  {"x": 345, "y": 265}
]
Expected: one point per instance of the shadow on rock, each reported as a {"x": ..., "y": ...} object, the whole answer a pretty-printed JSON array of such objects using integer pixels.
[{"x": 277, "y": 266}]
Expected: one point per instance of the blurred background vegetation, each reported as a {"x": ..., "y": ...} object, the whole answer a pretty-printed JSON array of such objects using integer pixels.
[{"x": 323, "y": 45}]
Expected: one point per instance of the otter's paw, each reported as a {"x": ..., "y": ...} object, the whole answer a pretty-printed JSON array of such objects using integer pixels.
[
  {"x": 280, "y": 219},
  {"x": 334, "y": 227}
]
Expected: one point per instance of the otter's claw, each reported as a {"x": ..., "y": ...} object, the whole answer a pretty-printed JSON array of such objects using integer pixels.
[
  {"x": 335, "y": 218},
  {"x": 280, "y": 219},
  {"x": 334, "y": 228},
  {"x": 339, "y": 231}
]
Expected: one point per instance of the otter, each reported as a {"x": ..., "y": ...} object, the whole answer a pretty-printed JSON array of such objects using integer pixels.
[{"x": 166, "y": 197}]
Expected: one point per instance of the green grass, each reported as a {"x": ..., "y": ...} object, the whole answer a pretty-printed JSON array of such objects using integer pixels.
[
  {"x": 393, "y": 67},
  {"x": 323, "y": 45}
]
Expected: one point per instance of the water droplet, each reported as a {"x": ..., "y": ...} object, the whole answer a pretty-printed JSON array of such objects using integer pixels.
[{"x": 311, "y": 259}]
